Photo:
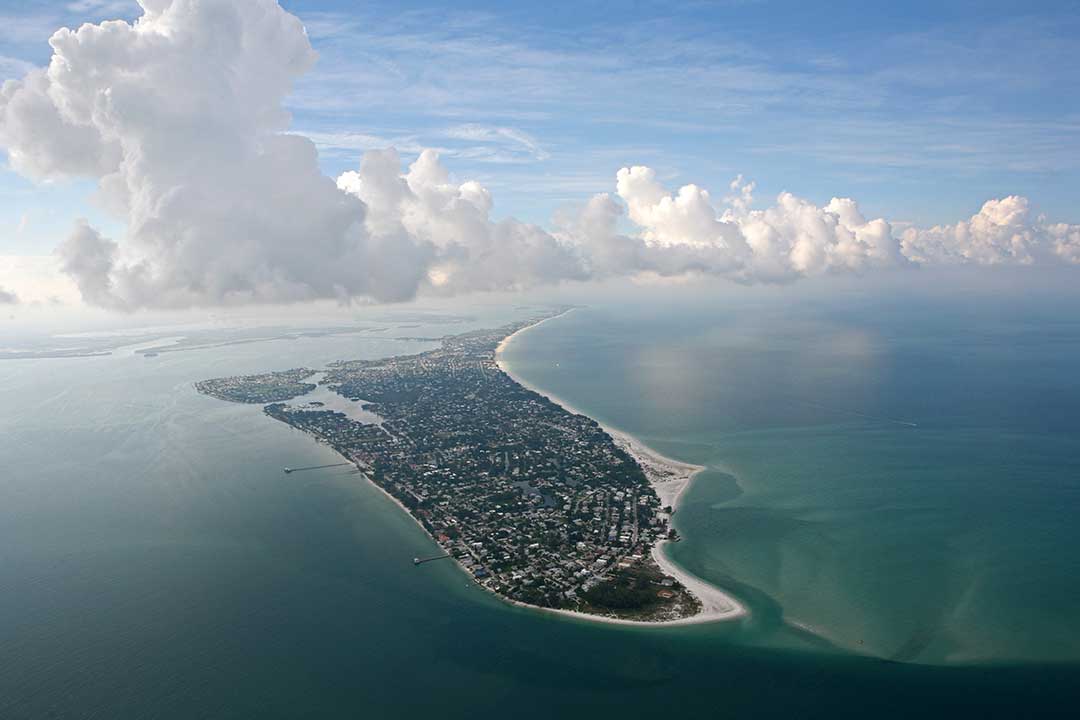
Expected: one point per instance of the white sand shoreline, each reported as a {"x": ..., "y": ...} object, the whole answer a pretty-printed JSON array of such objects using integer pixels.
[
  {"x": 716, "y": 605},
  {"x": 670, "y": 478}
]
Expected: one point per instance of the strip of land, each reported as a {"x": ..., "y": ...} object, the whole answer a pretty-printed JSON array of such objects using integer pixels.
[
  {"x": 538, "y": 503},
  {"x": 670, "y": 479}
]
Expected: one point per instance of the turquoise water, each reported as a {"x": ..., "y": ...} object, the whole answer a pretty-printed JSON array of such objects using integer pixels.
[
  {"x": 156, "y": 562},
  {"x": 901, "y": 481}
]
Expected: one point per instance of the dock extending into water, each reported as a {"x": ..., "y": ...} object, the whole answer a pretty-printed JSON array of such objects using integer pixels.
[{"x": 315, "y": 467}]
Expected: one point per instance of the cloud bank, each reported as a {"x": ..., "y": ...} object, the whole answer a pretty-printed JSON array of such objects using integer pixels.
[
  {"x": 179, "y": 118},
  {"x": 8, "y": 298}
]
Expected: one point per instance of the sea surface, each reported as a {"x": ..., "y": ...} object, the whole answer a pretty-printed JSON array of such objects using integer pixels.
[{"x": 892, "y": 489}]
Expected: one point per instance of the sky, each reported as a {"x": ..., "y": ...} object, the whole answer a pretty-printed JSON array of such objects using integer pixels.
[{"x": 920, "y": 112}]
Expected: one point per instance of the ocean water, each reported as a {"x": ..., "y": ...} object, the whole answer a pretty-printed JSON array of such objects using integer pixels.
[
  {"x": 155, "y": 562},
  {"x": 900, "y": 480}
]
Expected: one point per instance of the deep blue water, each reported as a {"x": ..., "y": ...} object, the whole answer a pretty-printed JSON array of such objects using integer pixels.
[{"x": 156, "y": 562}]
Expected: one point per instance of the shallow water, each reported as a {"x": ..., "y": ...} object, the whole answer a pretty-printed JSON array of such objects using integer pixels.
[
  {"x": 902, "y": 487},
  {"x": 323, "y": 398},
  {"x": 155, "y": 561}
]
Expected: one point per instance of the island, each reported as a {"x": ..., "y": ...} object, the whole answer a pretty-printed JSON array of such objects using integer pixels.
[
  {"x": 258, "y": 389},
  {"x": 539, "y": 504}
]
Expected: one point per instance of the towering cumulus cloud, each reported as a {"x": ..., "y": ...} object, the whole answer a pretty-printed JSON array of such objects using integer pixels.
[
  {"x": 179, "y": 118},
  {"x": 467, "y": 250},
  {"x": 1003, "y": 231},
  {"x": 687, "y": 232}
]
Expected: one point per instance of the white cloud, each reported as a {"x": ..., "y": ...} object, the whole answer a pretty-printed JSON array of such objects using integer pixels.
[
  {"x": 470, "y": 250},
  {"x": 686, "y": 231},
  {"x": 1002, "y": 232},
  {"x": 8, "y": 298},
  {"x": 179, "y": 118}
]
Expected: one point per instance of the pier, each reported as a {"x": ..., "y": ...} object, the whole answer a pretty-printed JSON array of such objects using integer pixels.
[
  {"x": 421, "y": 561},
  {"x": 315, "y": 467}
]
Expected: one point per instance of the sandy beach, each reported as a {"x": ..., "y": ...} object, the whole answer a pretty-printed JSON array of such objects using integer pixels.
[{"x": 670, "y": 478}]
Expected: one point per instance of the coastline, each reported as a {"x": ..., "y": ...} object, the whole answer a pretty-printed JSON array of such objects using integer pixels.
[
  {"x": 669, "y": 478},
  {"x": 715, "y": 604}
]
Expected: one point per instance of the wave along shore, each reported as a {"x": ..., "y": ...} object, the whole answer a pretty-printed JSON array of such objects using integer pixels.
[{"x": 669, "y": 478}]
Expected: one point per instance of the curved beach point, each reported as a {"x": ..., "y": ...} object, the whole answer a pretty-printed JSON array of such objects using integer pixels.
[{"x": 669, "y": 478}]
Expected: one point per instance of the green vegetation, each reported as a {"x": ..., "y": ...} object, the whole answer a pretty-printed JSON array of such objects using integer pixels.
[
  {"x": 272, "y": 387},
  {"x": 639, "y": 588},
  {"x": 538, "y": 504}
]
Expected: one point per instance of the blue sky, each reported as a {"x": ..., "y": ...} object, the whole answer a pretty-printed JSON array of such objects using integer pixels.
[{"x": 921, "y": 111}]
